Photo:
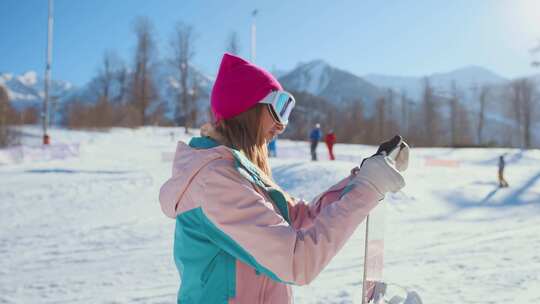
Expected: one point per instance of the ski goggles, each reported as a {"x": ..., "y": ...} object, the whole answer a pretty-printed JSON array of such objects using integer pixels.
[{"x": 281, "y": 103}]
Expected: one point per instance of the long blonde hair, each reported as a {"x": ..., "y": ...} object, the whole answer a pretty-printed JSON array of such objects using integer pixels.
[{"x": 245, "y": 133}]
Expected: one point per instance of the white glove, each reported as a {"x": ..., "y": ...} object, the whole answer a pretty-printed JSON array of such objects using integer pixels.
[
  {"x": 397, "y": 151},
  {"x": 381, "y": 170}
]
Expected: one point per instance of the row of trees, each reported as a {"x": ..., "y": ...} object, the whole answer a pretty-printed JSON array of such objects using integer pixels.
[
  {"x": 437, "y": 119},
  {"x": 129, "y": 96},
  {"x": 126, "y": 95},
  {"x": 10, "y": 117}
]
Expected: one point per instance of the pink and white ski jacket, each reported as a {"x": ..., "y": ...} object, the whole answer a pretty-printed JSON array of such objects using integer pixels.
[{"x": 221, "y": 216}]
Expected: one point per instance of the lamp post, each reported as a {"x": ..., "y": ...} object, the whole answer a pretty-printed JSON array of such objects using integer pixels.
[
  {"x": 45, "y": 113},
  {"x": 253, "y": 36}
]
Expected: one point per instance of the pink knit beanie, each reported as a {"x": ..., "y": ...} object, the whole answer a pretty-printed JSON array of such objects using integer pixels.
[{"x": 239, "y": 86}]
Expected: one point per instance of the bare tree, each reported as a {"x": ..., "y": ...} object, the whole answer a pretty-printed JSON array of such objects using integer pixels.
[
  {"x": 380, "y": 107},
  {"x": 182, "y": 44},
  {"x": 233, "y": 46},
  {"x": 28, "y": 116},
  {"x": 106, "y": 75},
  {"x": 143, "y": 91},
  {"x": 122, "y": 79},
  {"x": 4, "y": 105},
  {"x": 463, "y": 130},
  {"x": 453, "y": 104},
  {"x": 384, "y": 121},
  {"x": 107, "y": 88},
  {"x": 430, "y": 116},
  {"x": 404, "y": 112},
  {"x": 482, "y": 100},
  {"x": 523, "y": 105},
  {"x": 536, "y": 50},
  {"x": 6, "y": 136},
  {"x": 392, "y": 120},
  {"x": 528, "y": 110},
  {"x": 351, "y": 125},
  {"x": 194, "y": 95}
]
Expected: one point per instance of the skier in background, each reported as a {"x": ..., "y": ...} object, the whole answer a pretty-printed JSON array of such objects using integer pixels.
[
  {"x": 272, "y": 147},
  {"x": 314, "y": 138},
  {"x": 330, "y": 140},
  {"x": 502, "y": 181}
]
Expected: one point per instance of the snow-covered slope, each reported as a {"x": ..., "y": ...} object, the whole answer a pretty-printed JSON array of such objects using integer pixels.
[{"x": 90, "y": 230}]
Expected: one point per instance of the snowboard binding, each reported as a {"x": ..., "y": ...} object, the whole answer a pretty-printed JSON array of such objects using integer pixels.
[{"x": 383, "y": 293}]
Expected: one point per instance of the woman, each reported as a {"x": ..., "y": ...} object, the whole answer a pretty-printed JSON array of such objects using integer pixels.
[{"x": 239, "y": 238}]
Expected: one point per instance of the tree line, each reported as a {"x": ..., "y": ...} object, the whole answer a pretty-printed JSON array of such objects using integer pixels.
[
  {"x": 503, "y": 115},
  {"x": 127, "y": 96}
]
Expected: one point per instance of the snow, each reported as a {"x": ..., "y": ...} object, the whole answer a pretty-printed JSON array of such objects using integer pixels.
[
  {"x": 465, "y": 78},
  {"x": 317, "y": 79},
  {"x": 18, "y": 96},
  {"x": 5, "y": 77},
  {"x": 311, "y": 77},
  {"x": 88, "y": 228},
  {"x": 26, "y": 90},
  {"x": 28, "y": 79}
]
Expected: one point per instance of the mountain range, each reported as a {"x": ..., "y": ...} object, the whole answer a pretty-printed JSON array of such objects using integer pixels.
[{"x": 315, "y": 77}]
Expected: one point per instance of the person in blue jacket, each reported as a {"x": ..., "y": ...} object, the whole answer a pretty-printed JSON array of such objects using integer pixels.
[{"x": 315, "y": 137}]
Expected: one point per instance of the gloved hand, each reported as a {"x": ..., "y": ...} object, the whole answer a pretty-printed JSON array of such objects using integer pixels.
[
  {"x": 382, "y": 170},
  {"x": 397, "y": 151}
]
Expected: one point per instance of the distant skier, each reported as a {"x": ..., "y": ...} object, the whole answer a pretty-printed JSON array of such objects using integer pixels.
[
  {"x": 314, "y": 138},
  {"x": 502, "y": 181},
  {"x": 272, "y": 147},
  {"x": 330, "y": 140},
  {"x": 238, "y": 236}
]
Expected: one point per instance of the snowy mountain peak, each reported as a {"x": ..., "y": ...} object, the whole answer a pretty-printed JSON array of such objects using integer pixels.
[
  {"x": 315, "y": 64},
  {"x": 311, "y": 77},
  {"x": 319, "y": 78},
  {"x": 26, "y": 89},
  {"x": 29, "y": 78},
  {"x": 465, "y": 79},
  {"x": 5, "y": 77},
  {"x": 469, "y": 75}
]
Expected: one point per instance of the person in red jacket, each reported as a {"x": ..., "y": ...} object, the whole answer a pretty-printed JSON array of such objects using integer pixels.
[{"x": 330, "y": 140}]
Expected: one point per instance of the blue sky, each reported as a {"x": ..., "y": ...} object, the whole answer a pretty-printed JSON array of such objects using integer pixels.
[{"x": 389, "y": 37}]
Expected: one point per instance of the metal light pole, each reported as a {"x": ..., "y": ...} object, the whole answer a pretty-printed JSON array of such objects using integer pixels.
[
  {"x": 253, "y": 36},
  {"x": 45, "y": 113}
]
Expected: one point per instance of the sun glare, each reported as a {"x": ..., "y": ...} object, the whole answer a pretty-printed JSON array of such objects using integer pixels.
[{"x": 530, "y": 10}]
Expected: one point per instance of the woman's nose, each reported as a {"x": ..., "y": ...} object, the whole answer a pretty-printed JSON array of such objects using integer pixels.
[{"x": 279, "y": 128}]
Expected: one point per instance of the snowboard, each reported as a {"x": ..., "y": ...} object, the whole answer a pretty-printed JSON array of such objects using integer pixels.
[{"x": 375, "y": 290}]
